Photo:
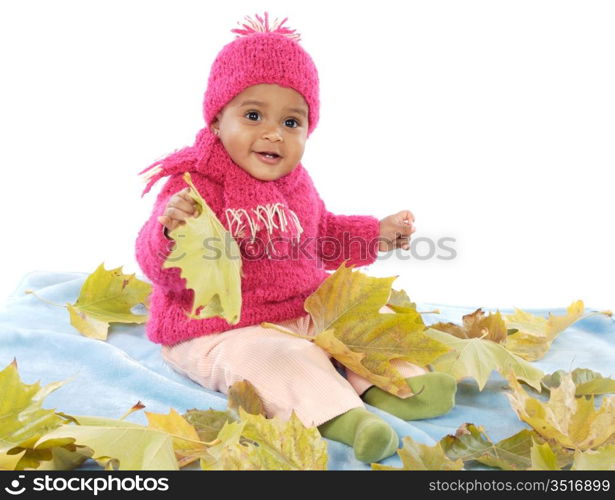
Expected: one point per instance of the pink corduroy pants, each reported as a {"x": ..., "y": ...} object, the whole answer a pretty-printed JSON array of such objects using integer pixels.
[{"x": 289, "y": 373}]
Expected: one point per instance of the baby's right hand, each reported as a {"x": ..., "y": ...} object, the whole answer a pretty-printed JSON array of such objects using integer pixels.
[{"x": 180, "y": 207}]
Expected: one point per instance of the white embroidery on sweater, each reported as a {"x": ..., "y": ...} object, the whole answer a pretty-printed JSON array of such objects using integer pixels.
[{"x": 266, "y": 214}]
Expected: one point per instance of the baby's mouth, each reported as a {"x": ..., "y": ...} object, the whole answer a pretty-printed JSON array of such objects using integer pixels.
[{"x": 268, "y": 154}]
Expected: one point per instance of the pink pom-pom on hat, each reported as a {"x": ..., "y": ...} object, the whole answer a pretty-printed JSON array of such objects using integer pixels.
[
  {"x": 262, "y": 53},
  {"x": 261, "y": 26}
]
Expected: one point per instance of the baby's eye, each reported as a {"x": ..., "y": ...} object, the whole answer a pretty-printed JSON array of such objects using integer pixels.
[
  {"x": 292, "y": 120},
  {"x": 249, "y": 113}
]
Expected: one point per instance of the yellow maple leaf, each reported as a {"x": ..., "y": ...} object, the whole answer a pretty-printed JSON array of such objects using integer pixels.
[
  {"x": 22, "y": 418},
  {"x": 586, "y": 381},
  {"x": 399, "y": 301},
  {"x": 601, "y": 459},
  {"x": 570, "y": 421},
  {"x": 471, "y": 443},
  {"x": 208, "y": 423},
  {"x": 542, "y": 457},
  {"x": 535, "y": 333},
  {"x": 348, "y": 325},
  {"x": 477, "y": 358},
  {"x": 210, "y": 261},
  {"x": 9, "y": 462},
  {"x": 417, "y": 456},
  {"x": 186, "y": 442},
  {"x": 272, "y": 444},
  {"x": 127, "y": 445},
  {"x": 107, "y": 297},
  {"x": 243, "y": 394},
  {"x": 477, "y": 325},
  {"x": 23, "y": 421}
]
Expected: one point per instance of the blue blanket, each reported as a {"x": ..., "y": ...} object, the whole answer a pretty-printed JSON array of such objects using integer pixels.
[{"x": 110, "y": 376}]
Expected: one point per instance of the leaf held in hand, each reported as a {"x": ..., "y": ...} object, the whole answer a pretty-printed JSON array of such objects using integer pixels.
[{"x": 212, "y": 271}]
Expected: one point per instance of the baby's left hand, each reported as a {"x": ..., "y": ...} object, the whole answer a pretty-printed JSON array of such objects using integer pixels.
[{"x": 395, "y": 231}]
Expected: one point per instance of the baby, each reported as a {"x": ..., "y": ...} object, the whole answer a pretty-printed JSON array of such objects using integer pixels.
[{"x": 261, "y": 105}]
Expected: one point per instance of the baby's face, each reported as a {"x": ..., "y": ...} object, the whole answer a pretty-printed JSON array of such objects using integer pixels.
[{"x": 264, "y": 118}]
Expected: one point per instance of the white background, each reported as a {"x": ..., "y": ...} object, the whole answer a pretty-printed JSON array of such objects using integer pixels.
[{"x": 492, "y": 121}]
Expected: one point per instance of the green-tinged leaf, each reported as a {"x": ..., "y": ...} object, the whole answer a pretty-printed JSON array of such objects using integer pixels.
[
  {"x": 55, "y": 458},
  {"x": 104, "y": 422},
  {"x": 259, "y": 443},
  {"x": 243, "y": 394},
  {"x": 470, "y": 443},
  {"x": 230, "y": 453},
  {"x": 22, "y": 420},
  {"x": 477, "y": 358},
  {"x": 601, "y": 459},
  {"x": 348, "y": 325},
  {"x": 543, "y": 457},
  {"x": 287, "y": 445},
  {"x": 208, "y": 423},
  {"x": 134, "y": 448},
  {"x": 108, "y": 297},
  {"x": 9, "y": 462},
  {"x": 565, "y": 419},
  {"x": 416, "y": 456},
  {"x": 586, "y": 382},
  {"x": 212, "y": 270},
  {"x": 477, "y": 325},
  {"x": 186, "y": 442},
  {"x": 535, "y": 333}
]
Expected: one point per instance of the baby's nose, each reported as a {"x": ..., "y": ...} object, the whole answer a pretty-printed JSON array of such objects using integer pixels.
[{"x": 272, "y": 135}]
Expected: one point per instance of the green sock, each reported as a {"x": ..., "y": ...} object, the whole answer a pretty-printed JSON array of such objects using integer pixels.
[
  {"x": 371, "y": 437},
  {"x": 436, "y": 396}
]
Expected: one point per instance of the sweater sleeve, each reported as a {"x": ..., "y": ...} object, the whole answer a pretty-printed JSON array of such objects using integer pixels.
[
  {"x": 347, "y": 237},
  {"x": 153, "y": 247}
]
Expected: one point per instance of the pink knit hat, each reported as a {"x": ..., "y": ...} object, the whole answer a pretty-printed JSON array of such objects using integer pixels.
[
  {"x": 262, "y": 54},
  {"x": 259, "y": 54}
]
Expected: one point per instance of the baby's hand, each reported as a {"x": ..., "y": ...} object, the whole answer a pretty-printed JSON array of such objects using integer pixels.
[
  {"x": 180, "y": 207},
  {"x": 395, "y": 231}
]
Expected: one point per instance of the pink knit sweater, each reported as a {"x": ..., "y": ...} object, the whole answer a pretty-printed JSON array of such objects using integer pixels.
[{"x": 272, "y": 290}]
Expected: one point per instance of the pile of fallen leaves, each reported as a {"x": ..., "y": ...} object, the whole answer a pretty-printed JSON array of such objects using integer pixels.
[
  {"x": 566, "y": 432},
  {"x": 241, "y": 437}
]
